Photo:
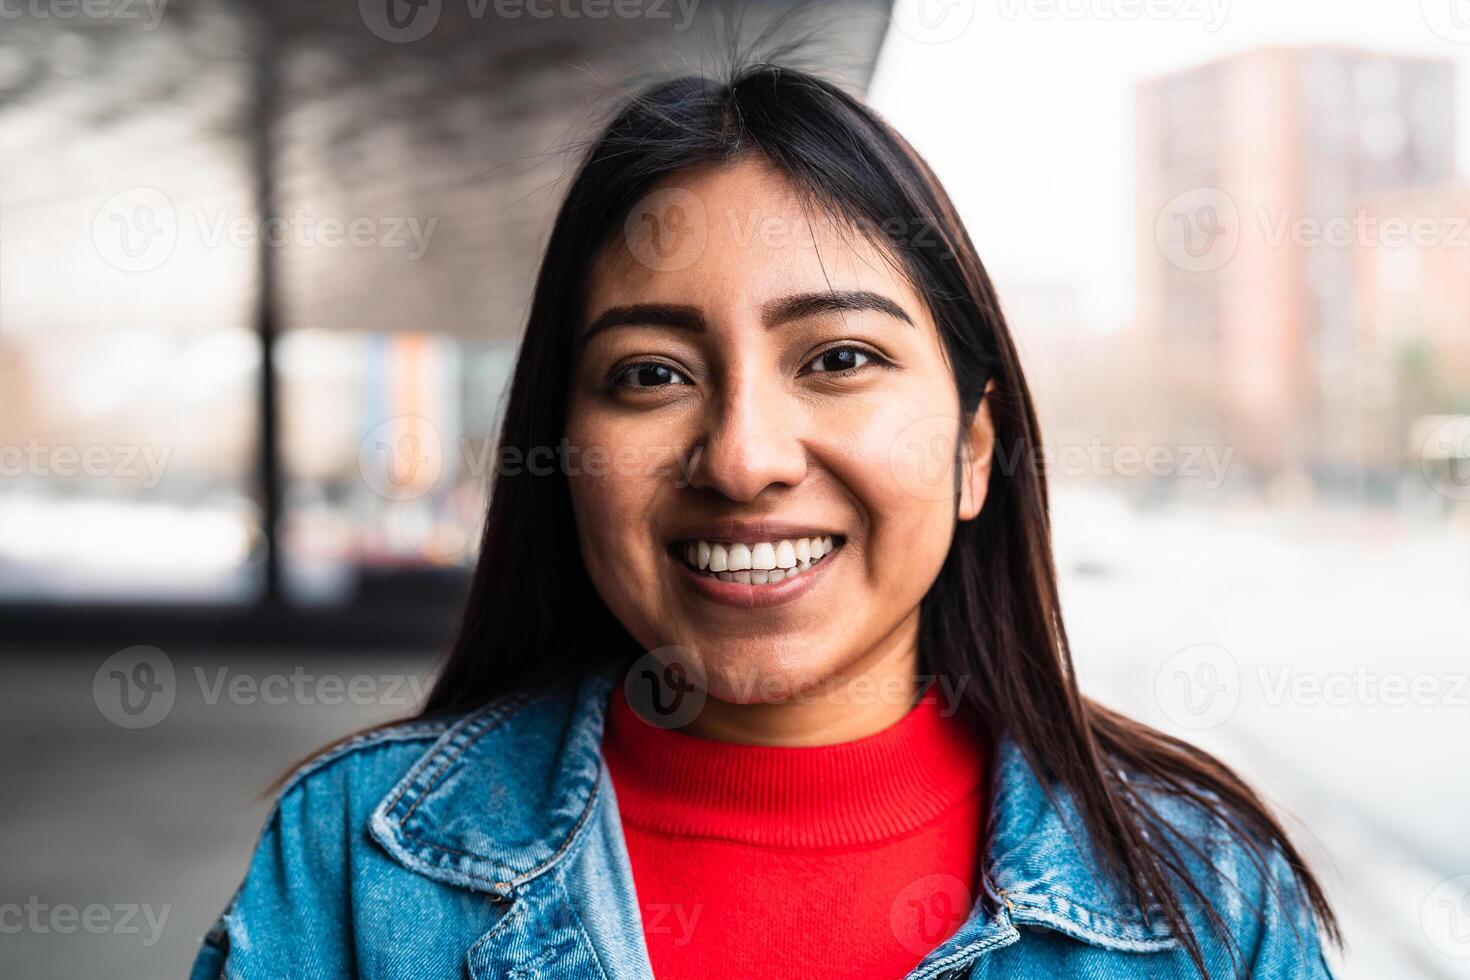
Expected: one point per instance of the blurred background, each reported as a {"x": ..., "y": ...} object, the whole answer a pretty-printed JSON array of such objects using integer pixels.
[{"x": 263, "y": 266}]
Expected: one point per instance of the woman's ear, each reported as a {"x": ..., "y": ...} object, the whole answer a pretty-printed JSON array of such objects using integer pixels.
[{"x": 977, "y": 449}]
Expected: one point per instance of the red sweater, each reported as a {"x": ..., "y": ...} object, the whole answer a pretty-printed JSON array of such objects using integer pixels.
[{"x": 846, "y": 861}]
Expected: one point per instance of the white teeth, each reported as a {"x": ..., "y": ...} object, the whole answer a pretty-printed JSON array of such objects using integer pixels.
[{"x": 759, "y": 562}]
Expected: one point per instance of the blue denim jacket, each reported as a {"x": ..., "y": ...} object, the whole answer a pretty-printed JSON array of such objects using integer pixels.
[{"x": 490, "y": 846}]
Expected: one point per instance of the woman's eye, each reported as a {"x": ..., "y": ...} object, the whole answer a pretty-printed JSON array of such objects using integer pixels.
[
  {"x": 839, "y": 359},
  {"x": 650, "y": 374}
]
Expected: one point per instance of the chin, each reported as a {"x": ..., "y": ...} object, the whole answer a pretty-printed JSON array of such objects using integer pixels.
[{"x": 739, "y": 675}]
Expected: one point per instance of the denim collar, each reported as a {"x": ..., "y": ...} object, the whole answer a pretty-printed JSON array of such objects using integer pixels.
[{"x": 501, "y": 835}]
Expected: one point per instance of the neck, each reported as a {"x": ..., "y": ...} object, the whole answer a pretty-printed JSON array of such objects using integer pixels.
[{"x": 867, "y": 697}]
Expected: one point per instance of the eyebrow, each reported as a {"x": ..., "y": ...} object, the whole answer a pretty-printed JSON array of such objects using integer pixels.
[{"x": 773, "y": 313}]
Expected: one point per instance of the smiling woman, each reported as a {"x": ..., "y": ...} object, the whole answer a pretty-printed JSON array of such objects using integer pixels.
[
  {"x": 791, "y": 696},
  {"x": 786, "y": 371}
]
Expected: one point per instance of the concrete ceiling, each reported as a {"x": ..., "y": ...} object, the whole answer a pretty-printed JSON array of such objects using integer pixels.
[{"x": 475, "y": 126}]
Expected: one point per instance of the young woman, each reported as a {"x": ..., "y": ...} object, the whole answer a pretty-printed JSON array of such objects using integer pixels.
[{"x": 763, "y": 672}]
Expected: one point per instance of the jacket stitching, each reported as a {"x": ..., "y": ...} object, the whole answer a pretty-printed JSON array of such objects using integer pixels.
[
  {"x": 527, "y": 876},
  {"x": 596, "y": 956},
  {"x": 973, "y": 951},
  {"x": 571, "y": 836},
  {"x": 397, "y": 733},
  {"x": 488, "y": 718}
]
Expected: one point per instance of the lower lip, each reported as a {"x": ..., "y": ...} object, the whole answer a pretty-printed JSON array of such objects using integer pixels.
[{"x": 743, "y": 596}]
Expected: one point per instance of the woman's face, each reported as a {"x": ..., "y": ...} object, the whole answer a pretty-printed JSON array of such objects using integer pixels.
[{"x": 764, "y": 424}]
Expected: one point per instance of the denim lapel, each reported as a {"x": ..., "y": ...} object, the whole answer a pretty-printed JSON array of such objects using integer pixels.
[
  {"x": 1045, "y": 869},
  {"x": 524, "y": 811},
  {"x": 493, "y": 805},
  {"x": 1041, "y": 870}
]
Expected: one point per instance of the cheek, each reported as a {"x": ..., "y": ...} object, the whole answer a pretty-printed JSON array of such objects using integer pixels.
[
  {"x": 897, "y": 458},
  {"x": 604, "y": 497},
  {"x": 619, "y": 473}
]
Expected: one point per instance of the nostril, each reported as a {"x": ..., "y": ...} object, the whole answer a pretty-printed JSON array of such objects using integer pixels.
[{"x": 742, "y": 458}]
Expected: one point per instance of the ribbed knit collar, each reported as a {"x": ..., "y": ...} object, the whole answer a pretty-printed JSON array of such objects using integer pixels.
[{"x": 850, "y": 794}]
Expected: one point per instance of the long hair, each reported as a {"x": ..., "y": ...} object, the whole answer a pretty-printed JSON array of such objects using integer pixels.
[{"x": 533, "y": 618}]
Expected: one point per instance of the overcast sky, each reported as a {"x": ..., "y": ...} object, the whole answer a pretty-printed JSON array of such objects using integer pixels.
[{"x": 1024, "y": 107}]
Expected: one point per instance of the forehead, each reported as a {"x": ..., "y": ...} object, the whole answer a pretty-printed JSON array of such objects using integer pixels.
[{"x": 737, "y": 235}]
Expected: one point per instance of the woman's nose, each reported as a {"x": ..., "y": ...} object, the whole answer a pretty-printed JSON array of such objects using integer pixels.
[{"x": 752, "y": 439}]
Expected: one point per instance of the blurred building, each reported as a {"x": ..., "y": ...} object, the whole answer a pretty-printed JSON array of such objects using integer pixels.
[
  {"x": 1411, "y": 300},
  {"x": 1249, "y": 173}
]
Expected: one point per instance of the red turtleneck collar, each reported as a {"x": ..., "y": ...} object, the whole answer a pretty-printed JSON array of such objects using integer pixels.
[{"x": 850, "y": 860}]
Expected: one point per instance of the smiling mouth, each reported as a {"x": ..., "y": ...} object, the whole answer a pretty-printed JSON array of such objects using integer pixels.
[{"x": 756, "y": 562}]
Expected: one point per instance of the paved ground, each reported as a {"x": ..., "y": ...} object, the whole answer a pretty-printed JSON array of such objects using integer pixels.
[
  {"x": 160, "y": 820},
  {"x": 1325, "y": 655}
]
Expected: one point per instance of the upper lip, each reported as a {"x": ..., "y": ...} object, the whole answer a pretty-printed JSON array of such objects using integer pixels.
[{"x": 735, "y": 531}]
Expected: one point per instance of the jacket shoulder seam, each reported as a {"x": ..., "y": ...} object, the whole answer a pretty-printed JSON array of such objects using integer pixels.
[{"x": 412, "y": 731}]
